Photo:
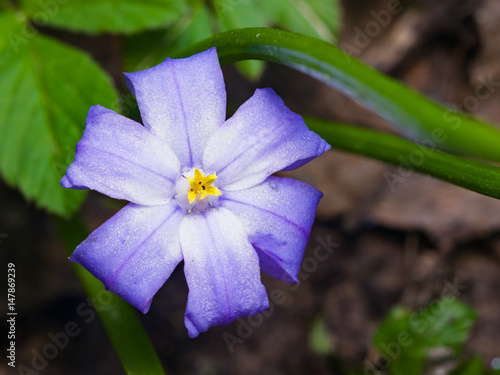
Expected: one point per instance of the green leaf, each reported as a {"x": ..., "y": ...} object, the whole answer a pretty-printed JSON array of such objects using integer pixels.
[
  {"x": 316, "y": 18},
  {"x": 449, "y": 328},
  {"x": 99, "y": 16},
  {"x": 319, "y": 341},
  {"x": 241, "y": 14},
  {"x": 473, "y": 175},
  {"x": 405, "y": 338},
  {"x": 402, "y": 348},
  {"x": 410, "y": 112},
  {"x": 473, "y": 366},
  {"x": 120, "y": 321},
  {"x": 252, "y": 69},
  {"x": 3, "y": 5},
  {"x": 142, "y": 51},
  {"x": 46, "y": 89}
]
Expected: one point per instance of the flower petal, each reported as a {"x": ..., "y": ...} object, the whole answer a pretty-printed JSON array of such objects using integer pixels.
[
  {"x": 134, "y": 252},
  {"x": 120, "y": 158},
  {"x": 182, "y": 101},
  {"x": 262, "y": 137},
  {"x": 278, "y": 215},
  {"x": 222, "y": 271}
]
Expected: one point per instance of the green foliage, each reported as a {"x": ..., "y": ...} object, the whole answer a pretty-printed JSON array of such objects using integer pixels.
[
  {"x": 98, "y": 16},
  {"x": 473, "y": 366},
  {"x": 411, "y": 113},
  {"x": 317, "y": 18},
  {"x": 319, "y": 341},
  {"x": 151, "y": 48},
  {"x": 120, "y": 321},
  {"x": 470, "y": 174},
  {"x": 243, "y": 14},
  {"x": 47, "y": 88},
  {"x": 406, "y": 338}
]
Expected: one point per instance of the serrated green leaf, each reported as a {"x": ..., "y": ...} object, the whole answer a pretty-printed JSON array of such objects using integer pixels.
[
  {"x": 99, "y": 16},
  {"x": 405, "y": 338},
  {"x": 46, "y": 89}
]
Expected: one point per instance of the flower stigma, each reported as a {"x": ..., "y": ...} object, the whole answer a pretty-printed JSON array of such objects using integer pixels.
[
  {"x": 201, "y": 186},
  {"x": 195, "y": 191}
]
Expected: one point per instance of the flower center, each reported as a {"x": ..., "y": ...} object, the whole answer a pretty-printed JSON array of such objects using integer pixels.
[
  {"x": 201, "y": 186},
  {"x": 195, "y": 192}
]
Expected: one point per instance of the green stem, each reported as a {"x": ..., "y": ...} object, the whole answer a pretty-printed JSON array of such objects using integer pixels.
[
  {"x": 124, "y": 329},
  {"x": 473, "y": 175},
  {"x": 414, "y": 115}
]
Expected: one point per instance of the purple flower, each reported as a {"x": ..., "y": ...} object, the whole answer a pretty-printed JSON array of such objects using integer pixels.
[{"x": 200, "y": 190}]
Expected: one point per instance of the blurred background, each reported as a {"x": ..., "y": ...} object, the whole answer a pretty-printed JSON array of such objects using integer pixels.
[{"x": 375, "y": 245}]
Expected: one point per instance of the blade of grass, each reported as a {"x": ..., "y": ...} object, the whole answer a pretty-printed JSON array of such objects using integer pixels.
[
  {"x": 413, "y": 114},
  {"x": 470, "y": 174},
  {"x": 124, "y": 329}
]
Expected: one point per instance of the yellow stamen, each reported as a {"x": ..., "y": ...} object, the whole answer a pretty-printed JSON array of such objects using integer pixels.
[{"x": 201, "y": 186}]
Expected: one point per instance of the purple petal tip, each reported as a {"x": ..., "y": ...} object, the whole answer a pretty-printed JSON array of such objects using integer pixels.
[{"x": 65, "y": 182}]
